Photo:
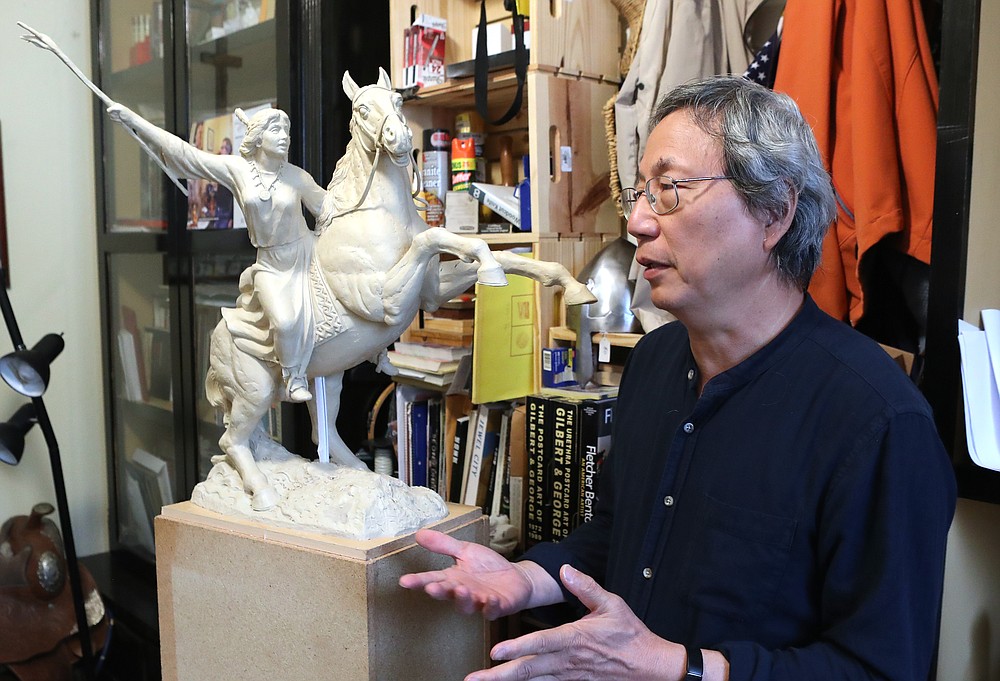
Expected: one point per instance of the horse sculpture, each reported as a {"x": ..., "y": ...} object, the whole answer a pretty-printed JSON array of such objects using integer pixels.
[{"x": 376, "y": 263}]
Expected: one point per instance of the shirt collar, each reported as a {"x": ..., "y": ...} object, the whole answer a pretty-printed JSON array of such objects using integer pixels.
[{"x": 778, "y": 348}]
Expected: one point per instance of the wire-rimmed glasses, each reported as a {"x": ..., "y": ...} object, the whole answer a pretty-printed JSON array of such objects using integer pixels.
[{"x": 661, "y": 203}]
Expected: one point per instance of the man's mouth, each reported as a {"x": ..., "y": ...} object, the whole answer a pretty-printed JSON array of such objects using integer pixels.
[{"x": 651, "y": 264}]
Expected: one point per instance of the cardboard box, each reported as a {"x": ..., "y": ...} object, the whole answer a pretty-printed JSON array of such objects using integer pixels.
[
  {"x": 423, "y": 57},
  {"x": 557, "y": 367},
  {"x": 461, "y": 213}
]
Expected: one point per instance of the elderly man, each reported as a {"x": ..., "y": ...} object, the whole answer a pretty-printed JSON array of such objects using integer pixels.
[{"x": 777, "y": 500}]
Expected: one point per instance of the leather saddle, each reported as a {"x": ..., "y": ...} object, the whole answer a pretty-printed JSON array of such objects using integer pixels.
[{"x": 40, "y": 642}]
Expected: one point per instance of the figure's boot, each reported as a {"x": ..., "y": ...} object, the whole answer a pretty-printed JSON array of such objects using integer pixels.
[
  {"x": 297, "y": 386},
  {"x": 383, "y": 365}
]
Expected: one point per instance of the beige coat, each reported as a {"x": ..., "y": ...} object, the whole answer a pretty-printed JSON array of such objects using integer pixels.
[{"x": 681, "y": 40}]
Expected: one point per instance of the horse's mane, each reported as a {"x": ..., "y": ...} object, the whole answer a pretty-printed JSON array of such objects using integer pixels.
[{"x": 340, "y": 195}]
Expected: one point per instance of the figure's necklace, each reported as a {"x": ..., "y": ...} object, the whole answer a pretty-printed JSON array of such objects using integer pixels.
[{"x": 264, "y": 193}]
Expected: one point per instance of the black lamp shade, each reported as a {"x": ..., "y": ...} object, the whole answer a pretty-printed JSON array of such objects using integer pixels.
[
  {"x": 12, "y": 434},
  {"x": 27, "y": 371}
]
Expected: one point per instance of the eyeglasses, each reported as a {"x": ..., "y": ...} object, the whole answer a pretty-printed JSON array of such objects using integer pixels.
[{"x": 661, "y": 203}]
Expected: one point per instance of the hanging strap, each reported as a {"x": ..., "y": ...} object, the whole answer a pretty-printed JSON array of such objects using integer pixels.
[{"x": 482, "y": 65}]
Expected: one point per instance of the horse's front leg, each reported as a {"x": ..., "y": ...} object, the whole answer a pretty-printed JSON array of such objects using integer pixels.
[
  {"x": 469, "y": 249},
  {"x": 404, "y": 284},
  {"x": 338, "y": 450},
  {"x": 447, "y": 281},
  {"x": 547, "y": 274},
  {"x": 455, "y": 276}
]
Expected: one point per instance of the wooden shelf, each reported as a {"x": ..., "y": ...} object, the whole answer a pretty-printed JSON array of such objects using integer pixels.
[
  {"x": 460, "y": 92},
  {"x": 620, "y": 340},
  {"x": 512, "y": 239}
]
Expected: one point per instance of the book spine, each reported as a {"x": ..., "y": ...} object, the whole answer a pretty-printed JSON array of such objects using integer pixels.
[
  {"x": 501, "y": 479},
  {"x": 444, "y": 449},
  {"x": 433, "y": 441},
  {"x": 469, "y": 498},
  {"x": 418, "y": 444},
  {"x": 458, "y": 459},
  {"x": 484, "y": 498},
  {"x": 561, "y": 488},
  {"x": 534, "y": 518},
  {"x": 594, "y": 442}
]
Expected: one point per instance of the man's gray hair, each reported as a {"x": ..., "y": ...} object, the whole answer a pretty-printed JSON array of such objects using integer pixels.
[{"x": 769, "y": 150}]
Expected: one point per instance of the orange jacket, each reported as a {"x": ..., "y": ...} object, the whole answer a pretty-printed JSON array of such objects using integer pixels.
[{"x": 861, "y": 72}]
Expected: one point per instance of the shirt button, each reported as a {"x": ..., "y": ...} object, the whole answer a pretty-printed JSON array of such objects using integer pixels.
[
  {"x": 690, "y": 374},
  {"x": 688, "y": 427},
  {"x": 647, "y": 572},
  {"x": 668, "y": 500}
]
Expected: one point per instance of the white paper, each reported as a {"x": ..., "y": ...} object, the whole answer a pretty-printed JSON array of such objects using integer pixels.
[{"x": 982, "y": 400}]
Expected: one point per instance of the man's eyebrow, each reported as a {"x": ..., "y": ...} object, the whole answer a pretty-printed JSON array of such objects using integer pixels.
[{"x": 662, "y": 165}]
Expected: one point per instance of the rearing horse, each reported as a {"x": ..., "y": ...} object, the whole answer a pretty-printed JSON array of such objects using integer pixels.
[{"x": 376, "y": 263}]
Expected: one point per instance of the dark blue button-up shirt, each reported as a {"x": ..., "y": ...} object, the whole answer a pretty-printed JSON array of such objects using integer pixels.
[{"x": 794, "y": 516}]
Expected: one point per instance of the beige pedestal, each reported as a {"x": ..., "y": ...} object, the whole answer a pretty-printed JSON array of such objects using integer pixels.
[{"x": 239, "y": 600}]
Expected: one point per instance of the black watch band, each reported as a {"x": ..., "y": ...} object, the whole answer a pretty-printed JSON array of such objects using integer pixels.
[{"x": 695, "y": 663}]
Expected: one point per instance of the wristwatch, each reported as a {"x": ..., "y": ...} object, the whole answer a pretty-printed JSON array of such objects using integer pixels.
[{"x": 695, "y": 663}]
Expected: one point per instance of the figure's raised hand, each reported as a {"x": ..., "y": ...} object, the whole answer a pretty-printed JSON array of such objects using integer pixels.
[
  {"x": 119, "y": 113},
  {"x": 37, "y": 38},
  {"x": 480, "y": 580},
  {"x": 609, "y": 643}
]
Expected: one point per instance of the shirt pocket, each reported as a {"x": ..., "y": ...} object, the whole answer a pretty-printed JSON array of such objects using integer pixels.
[{"x": 738, "y": 560}]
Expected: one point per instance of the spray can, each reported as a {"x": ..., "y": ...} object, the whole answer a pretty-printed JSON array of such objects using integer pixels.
[
  {"x": 469, "y": 124},
  {"x": 463, "y": 163},
  {"x": 435, "y": 174}
]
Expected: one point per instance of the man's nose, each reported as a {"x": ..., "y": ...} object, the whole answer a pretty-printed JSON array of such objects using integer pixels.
[{"x": 642, "y": 220}]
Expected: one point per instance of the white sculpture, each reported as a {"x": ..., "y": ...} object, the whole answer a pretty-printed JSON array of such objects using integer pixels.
[
  {"x": 318, "y": 303},
  {"x": 376, "y": 263}
]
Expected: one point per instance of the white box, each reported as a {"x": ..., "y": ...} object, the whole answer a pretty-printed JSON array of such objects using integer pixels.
[
  {"x": 499, "y": 38},
  {"x": 461, "y": 213}
]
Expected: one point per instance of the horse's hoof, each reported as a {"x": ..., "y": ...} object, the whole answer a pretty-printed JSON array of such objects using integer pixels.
[
  {"x": 265, "y": 498},
  {"x": 578, "y": 294},
  {"x": 491, "y": 276}
]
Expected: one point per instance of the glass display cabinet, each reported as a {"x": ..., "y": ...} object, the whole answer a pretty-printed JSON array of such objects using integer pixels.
[{"x": 170, "y": 262}]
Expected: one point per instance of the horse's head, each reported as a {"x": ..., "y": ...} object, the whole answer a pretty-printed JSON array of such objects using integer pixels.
[{"x": 377, "y": 120}]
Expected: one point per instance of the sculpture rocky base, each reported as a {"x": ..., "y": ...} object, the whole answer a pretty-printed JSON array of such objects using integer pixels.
[{"x": 324, "y": 498}]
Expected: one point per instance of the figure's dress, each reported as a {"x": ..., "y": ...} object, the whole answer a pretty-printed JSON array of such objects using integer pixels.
[{"x": 274, "y": 291}]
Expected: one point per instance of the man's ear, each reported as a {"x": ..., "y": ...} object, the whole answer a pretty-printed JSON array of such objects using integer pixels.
[{"x": 781, "y": 222}]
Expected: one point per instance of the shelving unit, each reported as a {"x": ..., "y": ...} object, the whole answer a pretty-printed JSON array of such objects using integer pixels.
[{"x": 572, "y": 72}]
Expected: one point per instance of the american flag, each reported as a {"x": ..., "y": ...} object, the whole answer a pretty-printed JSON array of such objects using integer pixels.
[{"x": 765, "y": 63}]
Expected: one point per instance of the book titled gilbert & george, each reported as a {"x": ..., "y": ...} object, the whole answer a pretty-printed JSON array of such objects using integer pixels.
[{"x": 567, "y": 440}]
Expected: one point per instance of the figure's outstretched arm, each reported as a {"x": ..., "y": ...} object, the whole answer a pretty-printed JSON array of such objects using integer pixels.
[
  {"x": 42, "y": 41},
  {"x": 181, "y": 158}
]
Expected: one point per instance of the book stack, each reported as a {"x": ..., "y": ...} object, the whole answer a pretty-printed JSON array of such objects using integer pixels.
[
  {"x": 420, "y": 428},
  {"x": 451, "y": 324},
  {"x": 148, "y": 488},
  {"x": 488, "y": 460},
  {"x": 430, "y": 363},
  {"x": 566, "y": 438}
]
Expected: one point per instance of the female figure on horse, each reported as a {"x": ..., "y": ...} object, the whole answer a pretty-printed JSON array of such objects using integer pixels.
[{"x": 273, "y": 320}]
